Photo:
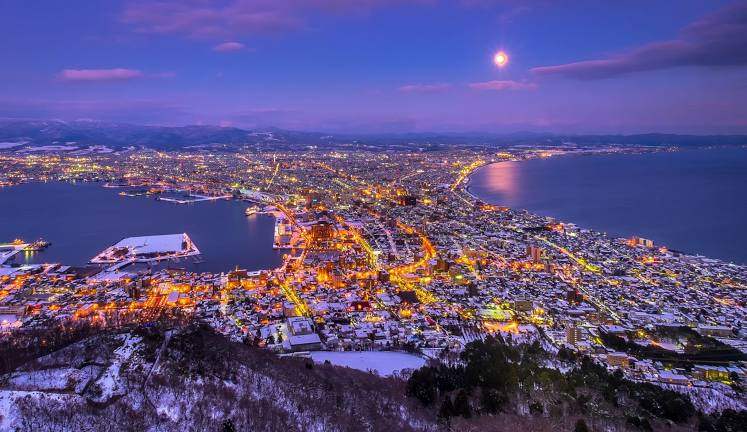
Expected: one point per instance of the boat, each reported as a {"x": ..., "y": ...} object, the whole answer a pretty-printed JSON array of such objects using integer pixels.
[
  {"x": 38, "y": 245},
  {"x": 251, "y": 210}
]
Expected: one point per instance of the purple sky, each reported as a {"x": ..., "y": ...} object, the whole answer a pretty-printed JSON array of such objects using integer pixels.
[{"x": 381, "y": 65}]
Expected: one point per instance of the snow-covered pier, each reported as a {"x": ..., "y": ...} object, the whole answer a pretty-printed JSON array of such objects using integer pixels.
[
  {"x": 194, "y": 199},
  {"x": 147, "y": 249},
  {"x": 8, "y": 251}
]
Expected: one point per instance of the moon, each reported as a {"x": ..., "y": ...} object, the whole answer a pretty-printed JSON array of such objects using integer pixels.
[{"x": 500, "y": 59}]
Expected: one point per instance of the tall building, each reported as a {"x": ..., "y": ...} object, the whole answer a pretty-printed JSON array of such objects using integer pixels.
[
  {"x": 407, "y": 200},
  {"x": 640, "y": 241},
  {"x": 313, "y": 200},
  {"x": 574, "y": 296},
  {"x": 535, "y": 253},
  {"x": 573, "y": 334},
  {"x": 322, "y": 230},
  {"x": 523, "y": 305}
]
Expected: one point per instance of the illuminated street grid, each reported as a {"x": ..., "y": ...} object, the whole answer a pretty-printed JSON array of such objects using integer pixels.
[{"x": 387, "y": 251}]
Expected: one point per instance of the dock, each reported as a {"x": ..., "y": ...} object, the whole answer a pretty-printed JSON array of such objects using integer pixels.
[
  {"x": 194, "y": 199},
  {"x": 9, "y": 250}
]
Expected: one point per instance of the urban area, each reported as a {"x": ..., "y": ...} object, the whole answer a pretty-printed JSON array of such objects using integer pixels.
[{"x": 388, "y": 251}]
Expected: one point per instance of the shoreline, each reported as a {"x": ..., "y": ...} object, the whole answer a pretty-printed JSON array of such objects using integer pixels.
[
  {"x": 467, "y": 184},
  {"x": 179, "y": 261}
]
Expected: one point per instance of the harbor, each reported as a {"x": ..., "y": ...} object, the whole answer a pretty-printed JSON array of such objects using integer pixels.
[
  {"x": 192, "y": 199},
  {"x": 9, "y": 250},
  {"x": 148, "y": 249},
  {"x": 89, "y": 218}
]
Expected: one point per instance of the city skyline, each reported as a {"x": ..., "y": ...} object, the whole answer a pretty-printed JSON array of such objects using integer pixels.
[{"x": 382, "y": 66}]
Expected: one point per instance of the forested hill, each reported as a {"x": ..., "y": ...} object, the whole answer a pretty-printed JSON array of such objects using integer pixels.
[{"x": 189, "y": 378}]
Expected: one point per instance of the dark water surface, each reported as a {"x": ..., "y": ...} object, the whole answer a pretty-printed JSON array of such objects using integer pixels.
[
  {"x": 83, "y": 219},
  {"x": 692, "y": 200}
]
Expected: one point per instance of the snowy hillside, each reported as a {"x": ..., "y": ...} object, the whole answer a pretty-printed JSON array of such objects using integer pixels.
[{"x": 196, "y": 380}]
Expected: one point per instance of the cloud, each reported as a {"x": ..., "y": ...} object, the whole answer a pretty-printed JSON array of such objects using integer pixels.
[
  {"x": 500, "y": 85},
  {"x": 105, "y": 75},
  {"x": 716, "y": 40},
  {"x": 229, "y": 47},
  {"x": 205, "y": 19},
  {"x": 117, "y": 74},
  {"x": 424, "y": 88},
  {"x": 212, "y": 19}
]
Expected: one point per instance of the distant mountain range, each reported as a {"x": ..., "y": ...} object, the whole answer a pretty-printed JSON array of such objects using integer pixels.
[
  {"x": 117, "y": 136},
  {"x": 23, "y": 135}
]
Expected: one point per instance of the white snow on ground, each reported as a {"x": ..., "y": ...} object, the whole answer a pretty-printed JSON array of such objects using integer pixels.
[
  {"x": 162, "y": 246},
  {"x": 167, "y": 405},
  {"x": 9, "y": 408},
  {"x": 109, "y": 276},
  {"x": 46, "y": 379},
  {"x": 95, "y": 149},
  {"x": 109, "y": 381},
  {"x": 384, "y": 363},
  {"x": 49, "y": 148},
  {"x": 711, "y": 397},
  {"x": 153, "y": 244}
]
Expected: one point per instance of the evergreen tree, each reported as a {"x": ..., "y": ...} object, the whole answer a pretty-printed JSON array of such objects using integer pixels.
[
  {"x": 461, "y": 405},
  {"x": 228, "y": 426},
  {"x": 422, "y": 386},
  {"x": 705, "y": 423},
  {"x": 447, "y": 409},
  {"x": 732, "y": 421},
  {"x": 581, "y": 426}
]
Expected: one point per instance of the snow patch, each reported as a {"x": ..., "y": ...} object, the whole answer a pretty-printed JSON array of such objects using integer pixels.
[{"x": 383, "y": 363}]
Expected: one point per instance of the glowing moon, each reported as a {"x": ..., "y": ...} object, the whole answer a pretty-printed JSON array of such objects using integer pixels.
[{"x": 500, "y": 59}]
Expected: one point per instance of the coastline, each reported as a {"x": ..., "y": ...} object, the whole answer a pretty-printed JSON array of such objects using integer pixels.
[
  {"x": 76, "y": 248},
  {"x": 468, "y": 187}
]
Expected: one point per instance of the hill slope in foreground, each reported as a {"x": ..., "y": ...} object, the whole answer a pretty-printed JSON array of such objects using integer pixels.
[{"x": 194, "y": 379}]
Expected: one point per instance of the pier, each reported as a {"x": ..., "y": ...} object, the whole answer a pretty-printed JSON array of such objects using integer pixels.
[
  {"x": 6, "y": 255},
  {"x": 9, "y": 250},
  {"x": 194, "y": 199}
]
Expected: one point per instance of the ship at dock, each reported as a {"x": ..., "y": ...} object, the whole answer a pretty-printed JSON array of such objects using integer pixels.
[
  {"x": 251, "y": 210},
  {"x": 37, "y": 245}
]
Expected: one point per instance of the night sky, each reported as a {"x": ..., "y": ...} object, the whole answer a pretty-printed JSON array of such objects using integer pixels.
[{"x": 381, "y": 65}]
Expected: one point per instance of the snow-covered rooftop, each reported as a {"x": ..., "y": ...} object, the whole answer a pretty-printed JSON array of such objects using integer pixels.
[{"x": 154, "y": 244}]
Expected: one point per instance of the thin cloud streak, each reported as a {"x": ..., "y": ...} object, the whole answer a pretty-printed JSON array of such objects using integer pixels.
[
  {"x": 229, "y": 47},
  {"x": 204, "y": 19},
  {"x": 424, "y": 88},
  {"x": 116, "y": 74},
  {"x": 717, "y": 40},
  {"x": 500, "y": 85}
]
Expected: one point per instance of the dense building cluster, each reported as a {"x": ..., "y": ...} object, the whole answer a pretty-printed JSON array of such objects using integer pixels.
[{"x": 389, "y": 250}]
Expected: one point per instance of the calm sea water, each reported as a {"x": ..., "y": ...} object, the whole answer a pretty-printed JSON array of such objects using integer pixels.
[
  {"x": 692, "y": 200},
  {"x": 83, "y": 219}
]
